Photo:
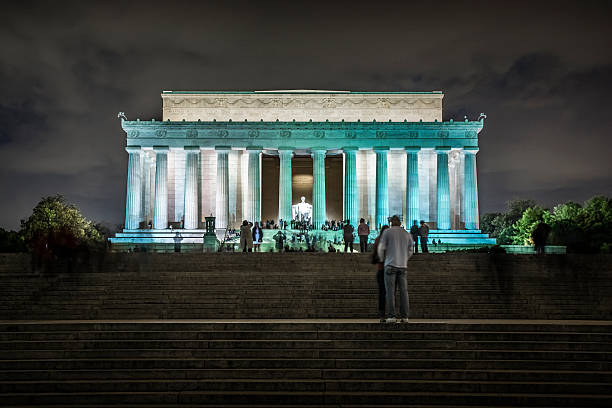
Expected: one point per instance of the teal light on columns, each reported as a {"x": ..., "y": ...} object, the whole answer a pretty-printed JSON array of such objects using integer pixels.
[
  {"x": 254, "y": 186},
  {"x": 134, "y": 186},
  {"x": 160, "y": 216},
  {"x": 412, "y": 186},
  {"x": 443, "y": 189},
  {"x": 191, "y": 187},
  {"x": 351, "y": 199},
  {"x": 470, "y": 189},
  {"x": 222, "y": 201},
  {"x": 318, "y": 188},
  {"x": 284, "y": 184},
  {"x": 145, "y": 174},
  {"x": 382, "y": 186}
]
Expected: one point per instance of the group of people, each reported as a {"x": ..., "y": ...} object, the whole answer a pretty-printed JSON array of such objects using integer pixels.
[
  {"x": 251, "y": 236},
  {"x": 421, "y": 232}
]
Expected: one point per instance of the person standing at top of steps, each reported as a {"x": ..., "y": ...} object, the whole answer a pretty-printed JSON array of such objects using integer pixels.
[
  {"x": 363, "y": 230},
  {"x": 246, "y": 240},
  {"x": 414, "y": 231},
  {"x": 396, "y": 247},
  {"x": 424, "y": 233},
  {"x": 348, "y": 236}
]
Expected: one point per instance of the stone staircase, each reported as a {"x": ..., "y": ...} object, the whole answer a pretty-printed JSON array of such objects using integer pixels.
[
  {"x": 307, "y": 285},
  {"x": 301, "y": 363},
  {"x": 460, "y": 348}
]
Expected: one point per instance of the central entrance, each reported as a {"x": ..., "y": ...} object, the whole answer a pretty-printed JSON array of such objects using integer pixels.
[{"x": 301, "y": 184}]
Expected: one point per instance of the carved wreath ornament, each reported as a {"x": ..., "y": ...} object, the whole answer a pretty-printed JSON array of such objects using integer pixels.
[
  {"x": 160, "y": 133},
  {"x": 192, "y": 133},
  {"x": 285, "y": 134},
  {"x": 133, "y": 133},
  {"x": 319, "y": 134},
  {"x": 253, "y": 133}
]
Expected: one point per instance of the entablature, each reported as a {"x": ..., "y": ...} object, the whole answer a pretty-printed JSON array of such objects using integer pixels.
[{"x": 302, "y": 135}]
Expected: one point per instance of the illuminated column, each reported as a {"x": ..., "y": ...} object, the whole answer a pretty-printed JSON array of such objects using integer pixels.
[
  {"x": 160, "y": 217},
  {"x": 254, "y": 186},
  {"x": 222, "y": 212},
  {"x": 351, "y": 203},
  {"x": 412, "y": 186},
  {"x": 134, "y": 186},
  {"x": 382, "y": 186},
  {"x": 443, "y": 192},
  {"x": 284, "y": 184},
  {"x": 470, "y": 192},
  {"x": 144, "y": 189},
  {"x": 191, "y": 187},
  {"x": 318, "y": 188}
]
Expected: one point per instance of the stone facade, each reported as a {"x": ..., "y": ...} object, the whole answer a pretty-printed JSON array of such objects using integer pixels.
[{"x": 397, "y": 157}]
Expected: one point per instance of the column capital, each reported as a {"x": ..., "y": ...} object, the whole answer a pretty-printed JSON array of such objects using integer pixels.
[
  {"x": 191, "y": 149},
  {"x": 318, "y": 149},
  {"x": 352, "y": 149},
  {"x": 254, "y": 149},
  {"x": 161, "y": 149},
  {"x": 223, "y": 149},
  {"x": 443, "y": 149},
  {"x": 133, "y": 149},
  {"x": 285, "y": 148},
  {"x": 470, "y": 150},
  {"x": 412, "y": 149}
]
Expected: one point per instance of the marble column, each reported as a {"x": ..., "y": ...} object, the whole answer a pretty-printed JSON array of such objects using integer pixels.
[
  {"x": 160, "y": 217},
  {"x": 470, "y": 192},
  {"x": 134, "y": 186},
  {"x": 319, "y": 215},
  {"x": 191, "y": 187},
  {"x": 284, "y": 184},
  {"x": 443, "y": 189},
  {"x": 254, "y": 185},
  {"x": 144, "y": 190},
  {"x": 222, "y": 201},
  {"x": 382, "y": 186},
  {"x": 412, "y": 186},
  {"x": 351, "y": 199}
]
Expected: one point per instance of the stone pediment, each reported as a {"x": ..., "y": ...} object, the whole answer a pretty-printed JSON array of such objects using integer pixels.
[{"x": 302, "y": 105}]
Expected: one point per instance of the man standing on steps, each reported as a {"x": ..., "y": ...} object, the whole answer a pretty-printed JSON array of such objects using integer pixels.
[
  {"x": 414, "y": 231},
  {"x": 396, "y": 247},
  {"x": 424, "y": 233},
  {"x": 348, "y": 236}
]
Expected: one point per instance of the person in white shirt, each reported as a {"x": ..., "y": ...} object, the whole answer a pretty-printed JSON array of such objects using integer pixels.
[{"x": 396, "y": 247}]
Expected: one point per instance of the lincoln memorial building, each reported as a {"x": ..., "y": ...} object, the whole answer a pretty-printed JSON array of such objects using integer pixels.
[{"x": 252, "y": 155}]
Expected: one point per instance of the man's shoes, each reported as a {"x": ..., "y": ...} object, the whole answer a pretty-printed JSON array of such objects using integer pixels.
[{"x": 390, "y": 320}]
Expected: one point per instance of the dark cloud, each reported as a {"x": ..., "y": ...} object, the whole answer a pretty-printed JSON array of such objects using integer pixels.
[{"x": 542, "y": 71}]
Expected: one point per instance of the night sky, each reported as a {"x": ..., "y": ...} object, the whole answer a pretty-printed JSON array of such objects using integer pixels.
[{"x": 541, "y": 71}]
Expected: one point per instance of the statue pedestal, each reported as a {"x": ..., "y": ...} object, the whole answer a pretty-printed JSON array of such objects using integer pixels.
[{"x": 211, "y": 243}]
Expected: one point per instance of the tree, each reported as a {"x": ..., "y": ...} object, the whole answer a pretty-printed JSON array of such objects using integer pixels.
[
  {"x": 502, "y": 225},
  {"x": 11, "y": 241},
  {"x": 57, "y": 229},
  {"x": 524, "y": 227}
]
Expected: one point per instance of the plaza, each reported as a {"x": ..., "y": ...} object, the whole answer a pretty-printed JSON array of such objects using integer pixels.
[{"x": 253, "y": 154}]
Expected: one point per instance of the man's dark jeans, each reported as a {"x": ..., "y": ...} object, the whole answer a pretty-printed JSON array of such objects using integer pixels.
[
  {"x": 348, "y": 243},
  {"x": 415, "y": 238},
  {"x": 424, "y": 245},
  {"x": 382, "y": 292},
  {"x": 363, "y": 243}
]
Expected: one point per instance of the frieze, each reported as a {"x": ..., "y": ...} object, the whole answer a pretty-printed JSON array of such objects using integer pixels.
[
  {"x": 413, "y": 134},
  {"x": 222, "y": 133},
  {"x": 192, "y": 133},
  {"x": 471, "y": 134},
  {"x": 288, "y": 102},
  {"x": 443, "y": 134},
  {"x": 160, "y": 133},
  {"x": 253, "y": 133},
  {"x": 381, "y": 134},
  {"x": 350, "y": 134},
  {"x": 133, "y": 133},
  {"x": 285, "y": 134},
  {"x": 319, "y": 134}
]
